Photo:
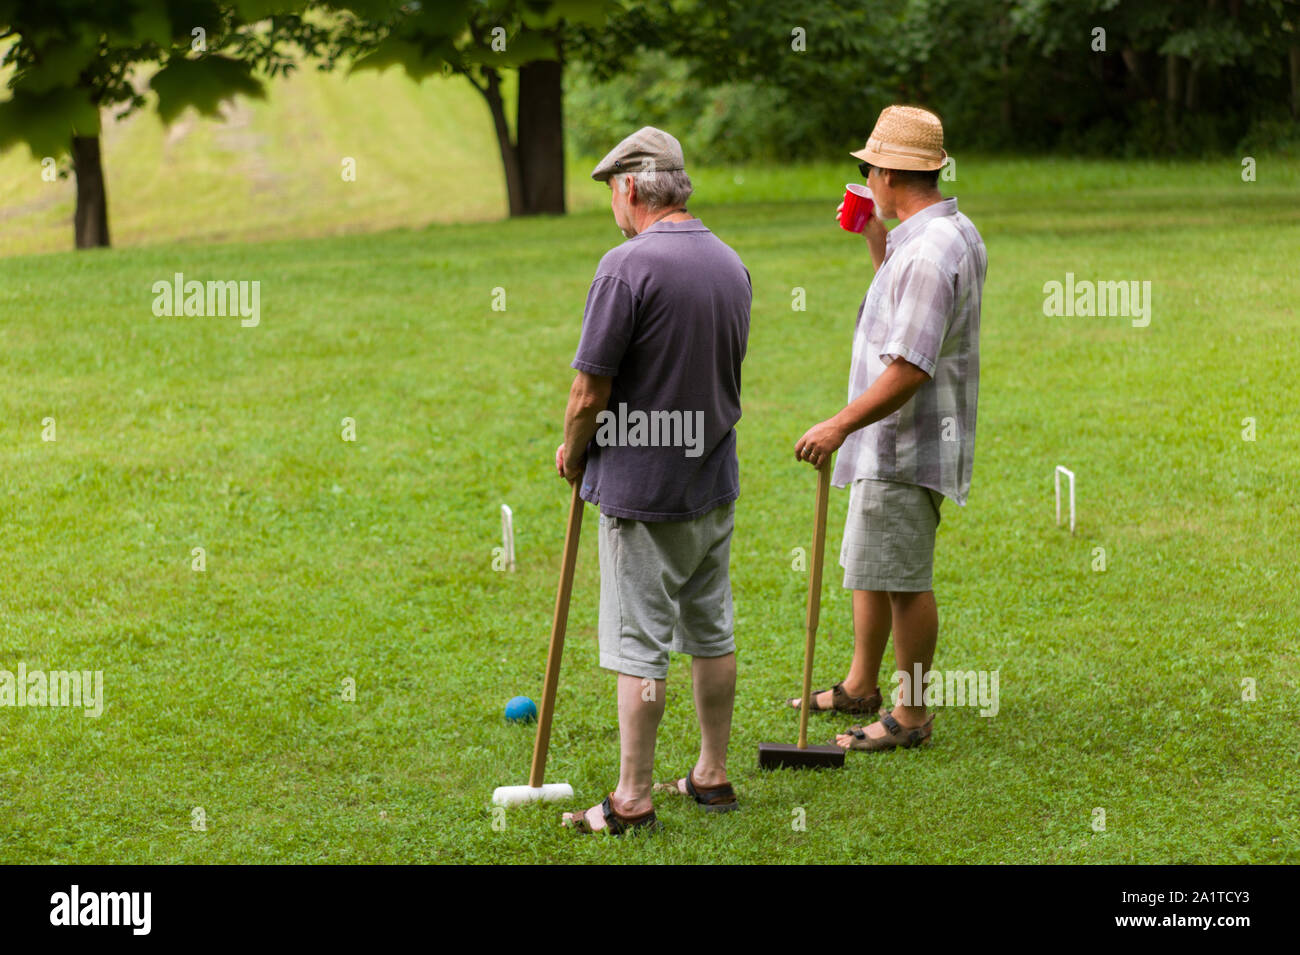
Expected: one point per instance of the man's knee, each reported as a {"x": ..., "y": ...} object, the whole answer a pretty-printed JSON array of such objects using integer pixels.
[{"x": 903, "y": 602}]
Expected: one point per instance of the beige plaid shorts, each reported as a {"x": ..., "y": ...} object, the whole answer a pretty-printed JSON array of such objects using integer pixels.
[{"x": 889, "y": 536}]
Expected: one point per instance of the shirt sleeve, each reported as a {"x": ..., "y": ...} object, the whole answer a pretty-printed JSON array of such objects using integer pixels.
[
  {"x": 923, "y": 301},
  {"x": 607, "y": 326}
]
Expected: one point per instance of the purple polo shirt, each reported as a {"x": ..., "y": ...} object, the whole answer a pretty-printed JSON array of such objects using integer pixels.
[{"x": 667, "y": 318}]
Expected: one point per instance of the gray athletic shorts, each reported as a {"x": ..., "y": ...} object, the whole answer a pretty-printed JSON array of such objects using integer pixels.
[
  {"x": 665, "y": 585},
  {"x": 889, "y": 536}
]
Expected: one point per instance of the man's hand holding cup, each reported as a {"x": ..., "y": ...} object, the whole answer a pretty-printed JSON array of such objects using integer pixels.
[{"x": 857, "y": 213}]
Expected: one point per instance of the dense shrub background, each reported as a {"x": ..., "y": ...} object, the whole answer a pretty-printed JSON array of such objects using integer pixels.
[{"x": 1174, "y": 79}]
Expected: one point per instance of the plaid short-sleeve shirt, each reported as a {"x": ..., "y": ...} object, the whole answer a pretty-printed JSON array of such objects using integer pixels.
[{"x": 923, "y": 306}]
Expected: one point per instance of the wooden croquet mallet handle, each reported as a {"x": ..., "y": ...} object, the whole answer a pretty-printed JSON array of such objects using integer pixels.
[
  {"x": 814, "y": 594},
  {"x": 558, "y": 624}
]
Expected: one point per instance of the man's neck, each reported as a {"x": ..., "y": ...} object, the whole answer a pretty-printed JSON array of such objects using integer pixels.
[
  {"x": 661, "y": 215},
  {"x": 913, "y": 205}
]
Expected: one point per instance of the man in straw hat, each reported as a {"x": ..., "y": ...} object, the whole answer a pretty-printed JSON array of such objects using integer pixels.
[
  {"x": 663, "y": 337},
  {"x": 906, "y": 439}
]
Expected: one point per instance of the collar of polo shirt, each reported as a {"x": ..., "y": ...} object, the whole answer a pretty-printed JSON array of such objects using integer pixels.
[{"x": 900, "y": 233}]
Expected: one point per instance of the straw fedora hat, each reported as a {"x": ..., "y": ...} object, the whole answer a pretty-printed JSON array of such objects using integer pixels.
[{"x": 905, "y": 137}]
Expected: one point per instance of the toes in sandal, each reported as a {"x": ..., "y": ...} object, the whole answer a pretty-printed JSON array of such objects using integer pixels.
[
  {"x": 841, "y": 702},
  {"x": 615, "y": 824},
  {"x": 720, "y": 798},
  {"x": 797, "y": 701},
  {"x": 896, "y": 736}
]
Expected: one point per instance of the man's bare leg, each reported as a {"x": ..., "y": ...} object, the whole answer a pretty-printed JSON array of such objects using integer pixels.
[
  {"x": 872, "y": 618},
  {"x": 640, "y": 708},
  {"x": 871, "y": 622},
  {"x": 916, "y": 633},
  {"x": 713, "y": 682}
]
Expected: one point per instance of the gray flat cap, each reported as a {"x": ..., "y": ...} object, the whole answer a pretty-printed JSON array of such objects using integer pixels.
[{"x": 647, "y": 148}]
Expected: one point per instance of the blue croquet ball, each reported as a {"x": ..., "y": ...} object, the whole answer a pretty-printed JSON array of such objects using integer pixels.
[{"x": 521, "y": 710}]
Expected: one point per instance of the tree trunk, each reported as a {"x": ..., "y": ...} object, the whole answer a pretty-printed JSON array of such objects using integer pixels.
[
  {"x": 541, "y": 136},
  {"x": 1133, "y": 63},
  {"x": 1172, "y": 89},
  {"x": 509, "y": 154},
  {"x": 1295, "y": 80},
  {"x": 1006, "y": 112},
  {"x": 91, "y": 219}
]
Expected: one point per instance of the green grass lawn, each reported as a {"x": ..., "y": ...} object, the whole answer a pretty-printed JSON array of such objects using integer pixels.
[{"x": 372, "y": 560}]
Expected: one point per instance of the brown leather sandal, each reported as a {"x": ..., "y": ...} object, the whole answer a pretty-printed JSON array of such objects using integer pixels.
[
  {"x": 896, "y": 736},
  {"x": 720, "y": 798},
  {"x": 615, "y": 824},
  {"x": 841, "y": 702}
]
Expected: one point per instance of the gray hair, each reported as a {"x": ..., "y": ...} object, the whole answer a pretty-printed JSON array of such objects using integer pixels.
[{"x": 659, "y": 189}]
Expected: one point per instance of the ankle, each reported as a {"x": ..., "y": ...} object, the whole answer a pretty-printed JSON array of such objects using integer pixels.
[
  {"x": 859, "y": 686},
  {"x": 909, "y": 716},
  {"x": 630, "y": 802},
  {"x": 709, "y": 775}
]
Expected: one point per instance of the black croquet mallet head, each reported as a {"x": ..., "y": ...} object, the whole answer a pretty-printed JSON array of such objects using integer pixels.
[{"x": 794, "y": 756}]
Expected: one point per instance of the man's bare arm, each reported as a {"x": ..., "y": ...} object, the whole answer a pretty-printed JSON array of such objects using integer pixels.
[
  {"x": 587, "y": 399},
  {"x": 893, "y": 389}
]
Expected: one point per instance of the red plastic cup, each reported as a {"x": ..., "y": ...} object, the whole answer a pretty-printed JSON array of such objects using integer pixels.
[{"x": 858, "y": 206}]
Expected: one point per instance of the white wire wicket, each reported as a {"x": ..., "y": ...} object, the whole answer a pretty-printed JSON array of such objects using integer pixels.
[
  {"x": 508, "y": 535},
  {"x": 1061, "y": 469}
]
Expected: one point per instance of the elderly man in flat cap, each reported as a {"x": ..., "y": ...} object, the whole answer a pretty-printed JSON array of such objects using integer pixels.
[
  {"x": 906, "y": 439},
  {"x": 650, "y": 432}
]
